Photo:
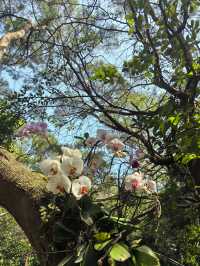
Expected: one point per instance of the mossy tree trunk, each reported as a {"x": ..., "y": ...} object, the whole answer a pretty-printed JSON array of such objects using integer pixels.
[{"x": 21, "y": 193}]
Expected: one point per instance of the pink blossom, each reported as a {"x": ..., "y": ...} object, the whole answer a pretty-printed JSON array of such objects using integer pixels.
[
  {"x": 29, "y": 129},
  {"x": 115, "y": 145},
  {"x": 134, "y": 182},
  {"x": 104, "y": 135},
  {"x": 90, "y": 142}
]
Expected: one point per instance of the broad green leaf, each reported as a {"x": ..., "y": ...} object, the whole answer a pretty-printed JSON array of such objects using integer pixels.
[
  {"x": 119, "y": 252},
  {"x": 146, "y": 257},
  {"x": 101, "y": 245},
  {"x": 101, "y": 236}
]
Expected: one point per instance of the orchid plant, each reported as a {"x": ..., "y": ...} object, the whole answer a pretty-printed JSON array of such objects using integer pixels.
[{"x": 102, "y": 228}]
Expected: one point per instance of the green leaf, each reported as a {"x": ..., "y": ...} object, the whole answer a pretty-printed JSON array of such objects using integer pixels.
[
  {"x": 91, "y": 257},
  {"x": 130, "y": 20},
  {"x": 80, "y": 253},
  {"x": 101, "y": 245},
  {"x": 134, "y": 261},
  {"x": 146, "y": 257},
  {"x": 174, "y": 120},
  {"x": 65, "y": 261},
  {"x": 188, "y": 157},
  {"x": 134, "y": 239},
  {"x": 101, "y": 236},
  {"x": 162, "y": 127},
  {"x": 119, "y": 252},
  {"x": 190, "y": 74}
]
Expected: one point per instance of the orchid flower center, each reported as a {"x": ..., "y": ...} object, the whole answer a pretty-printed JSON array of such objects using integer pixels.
[
  {"x": 116, "y": 147},
  {"x": 72, "y": 171},
  {"x": 60, "y": 188},
  {"x": 54, "y": 170},
  {"x": 135, "y": 184},
  {"x": 84, "y": 190},
  {"x": 94, "y": 164}
]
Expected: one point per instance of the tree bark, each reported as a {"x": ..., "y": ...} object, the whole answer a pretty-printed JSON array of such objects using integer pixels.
[
  {"x": 21, "y": 192},
  {"x": 6, "y": 39},
  {"x": 195, "y": 171}
]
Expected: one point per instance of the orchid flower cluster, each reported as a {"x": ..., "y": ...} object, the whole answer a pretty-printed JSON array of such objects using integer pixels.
[
  {"x": 38, "y": 128},
  {"x": 65, "y": 173},
  {"x": 108, "y": 223},
  {"x": 104, "y": 137},
  {"x": 134, "y": 181}
]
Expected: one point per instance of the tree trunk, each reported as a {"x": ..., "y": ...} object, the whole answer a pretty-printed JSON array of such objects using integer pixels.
[
  {"x": 195, "y": 171},
  {"x": 21, "y": 192}
]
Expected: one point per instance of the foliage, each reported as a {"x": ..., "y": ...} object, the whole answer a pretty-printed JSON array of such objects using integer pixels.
[
  {"x": 10, "y": 121},
  {"x": 191, "y": 246},
  {"x": 110, "y": 238},
  {"x": 15, "y": 249}
]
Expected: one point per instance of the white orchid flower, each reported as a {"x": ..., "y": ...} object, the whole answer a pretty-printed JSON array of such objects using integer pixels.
[
  {"x": 72, "y": 166},
  {"x": 81, "y": 186},
  {"x": 151, "y": 186},
  {"x": 71, "y": 152},
  {"x": 59, "y": 184},
  {"x": 50, "y": 167},
  {"x": 134, "y": 182}
]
